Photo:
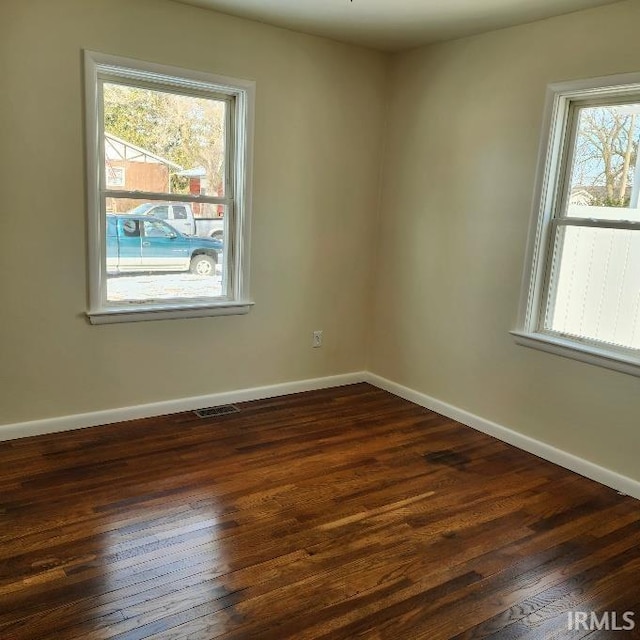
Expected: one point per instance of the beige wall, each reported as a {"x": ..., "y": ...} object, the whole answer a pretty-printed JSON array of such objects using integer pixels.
[
  {"x": 459, "y": 171},
  {"x": 437, "y": 294},
  {"x": 317, "y": 156}
]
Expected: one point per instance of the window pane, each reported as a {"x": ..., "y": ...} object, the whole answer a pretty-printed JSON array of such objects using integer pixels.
[
  {"x": 163, "y": 142},
  {"x": 179, "y": 212},
  {"x": 596, "y": 285},
  {"x": 605, "y": 175},
  {"x": 172, "y": 256}
]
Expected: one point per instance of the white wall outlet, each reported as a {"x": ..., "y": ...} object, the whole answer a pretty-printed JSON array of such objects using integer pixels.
[{"x": 317, "y": 339}]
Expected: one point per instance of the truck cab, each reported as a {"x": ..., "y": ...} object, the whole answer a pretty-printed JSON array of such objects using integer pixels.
[{"x": 178, "y": 215}]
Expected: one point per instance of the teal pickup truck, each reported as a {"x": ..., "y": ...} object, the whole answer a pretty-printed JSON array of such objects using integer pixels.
[{"x": 138, "y": 243}]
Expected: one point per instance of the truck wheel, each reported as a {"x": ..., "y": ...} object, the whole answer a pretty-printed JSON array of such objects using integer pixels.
[{"x": 203, "y": 265}]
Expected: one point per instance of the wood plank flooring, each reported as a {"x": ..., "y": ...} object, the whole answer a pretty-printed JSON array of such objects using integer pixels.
[{"x": 330, "y": 515}]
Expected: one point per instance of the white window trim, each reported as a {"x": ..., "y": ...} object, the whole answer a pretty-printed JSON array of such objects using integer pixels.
[
  {"x": 239, "y": 301},
  {"x": 548, "y": 182}
]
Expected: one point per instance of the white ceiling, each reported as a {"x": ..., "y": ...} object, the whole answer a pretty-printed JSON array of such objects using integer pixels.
[{"x": 393, "y": 25}]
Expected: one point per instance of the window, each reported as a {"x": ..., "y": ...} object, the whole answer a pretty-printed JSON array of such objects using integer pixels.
[
  {"x": 115, "y": 176},
  {"x": 153, "y": 229},
  {"x": 581, "y": 297},
  {"x": 161, "y": 212},
  {"x": 168, "y": 152}
]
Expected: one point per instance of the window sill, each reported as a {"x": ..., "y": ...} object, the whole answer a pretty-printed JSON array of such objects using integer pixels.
[
  {"x": 165, "y": 312},
  {"x": 591, "y": 354}
]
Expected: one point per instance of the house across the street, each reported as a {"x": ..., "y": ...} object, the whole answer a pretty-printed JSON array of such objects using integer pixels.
[{"x": 129, "y": 167}]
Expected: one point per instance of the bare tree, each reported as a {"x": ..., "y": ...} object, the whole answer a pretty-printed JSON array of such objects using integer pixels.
[
  {"x": 606, "y": 149},
  {"x": 187, "y": 130}
]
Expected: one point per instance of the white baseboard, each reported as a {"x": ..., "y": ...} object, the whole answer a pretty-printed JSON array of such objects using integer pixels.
[
  {"x": 546, "y": 451},
  {"x": 109, "y": 416},
  {"x": 543, "y": 450}
]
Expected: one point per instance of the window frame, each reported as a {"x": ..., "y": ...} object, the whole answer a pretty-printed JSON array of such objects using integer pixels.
[
  {"x": 240, "y": 97},
  {"x": 549, "y": 215}
]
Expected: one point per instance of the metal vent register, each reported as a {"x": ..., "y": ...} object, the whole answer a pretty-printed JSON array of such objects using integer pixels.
[{"x": 211, "y": 412}]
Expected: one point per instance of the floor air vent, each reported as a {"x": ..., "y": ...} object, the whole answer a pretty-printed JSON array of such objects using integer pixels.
[{"x": 212, "y": 412}]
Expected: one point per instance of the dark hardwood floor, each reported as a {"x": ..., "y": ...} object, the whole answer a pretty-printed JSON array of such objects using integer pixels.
[{"x": 336, "y": 514}]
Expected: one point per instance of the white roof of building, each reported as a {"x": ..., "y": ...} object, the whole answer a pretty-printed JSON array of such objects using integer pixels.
[{"x": 117, "y": 149}]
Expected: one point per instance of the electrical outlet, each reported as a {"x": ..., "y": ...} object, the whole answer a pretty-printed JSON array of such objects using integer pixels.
[{"x": 317, "y": 339}]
